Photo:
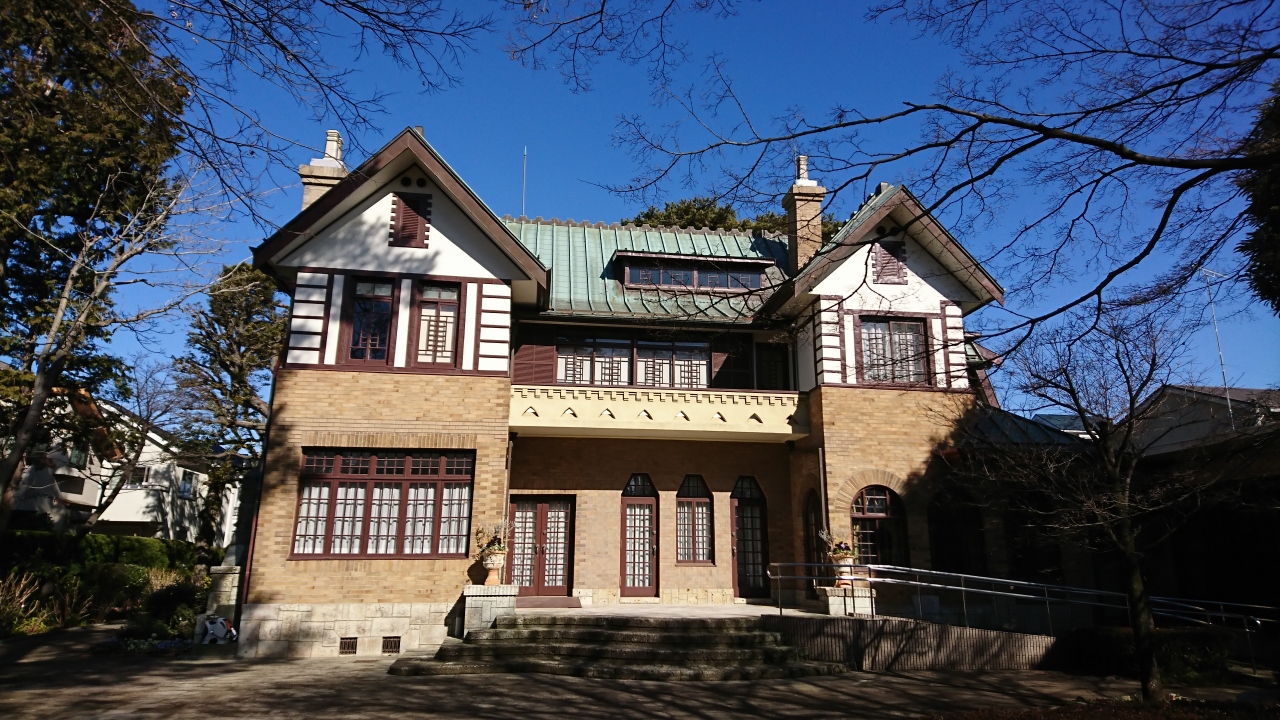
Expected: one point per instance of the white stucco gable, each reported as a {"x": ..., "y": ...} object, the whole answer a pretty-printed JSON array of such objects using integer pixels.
[
  {"x": 928, "y": 284},
  {"x": 359, "y": 240}
]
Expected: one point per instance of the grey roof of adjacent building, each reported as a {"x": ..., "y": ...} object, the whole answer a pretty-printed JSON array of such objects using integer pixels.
[
  {"x": 586, "y": 281},
  {"x": 994, "y": 426},
  {"x": 1258, "y": 396}
]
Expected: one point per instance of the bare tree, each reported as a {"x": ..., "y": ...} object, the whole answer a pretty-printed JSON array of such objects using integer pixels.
[
  {"x": 1096, "y": 493},
  {"x": 1120, "y": 129},
  {"x": 52, "y": 345},
  {"x": 141, "y": 413}
]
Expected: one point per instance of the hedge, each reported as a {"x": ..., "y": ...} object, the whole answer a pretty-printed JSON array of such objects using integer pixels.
[
  {"x": 28, "y": 548},
  {"x": 1184, "y": 653}
]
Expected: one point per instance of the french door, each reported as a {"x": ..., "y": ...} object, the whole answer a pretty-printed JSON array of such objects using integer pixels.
[
  {"x": 639, "y": 547},
  {"x": 541, "y": 547},
  {"x": 750, "y": 549}
]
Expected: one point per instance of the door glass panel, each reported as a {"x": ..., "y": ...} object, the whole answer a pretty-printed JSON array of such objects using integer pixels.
[
  {"x": 555, "y": 571},
  {"x": 639, "y": 550},
  {"x": 750, "y": 533},
  {"x": 524, "y": 543}
]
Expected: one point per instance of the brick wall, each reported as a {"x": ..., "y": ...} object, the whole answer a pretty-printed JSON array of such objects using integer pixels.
[
  {"x": 596, "y": 470},
  {"x": 885, "y": 437},
  {"x": 374, "y": 410}
]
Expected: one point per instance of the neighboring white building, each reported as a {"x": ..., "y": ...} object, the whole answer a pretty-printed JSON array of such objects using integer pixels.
[{"x": 161, "y": 499}]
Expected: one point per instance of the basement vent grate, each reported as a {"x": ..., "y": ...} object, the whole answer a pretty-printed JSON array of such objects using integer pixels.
[
  {"x": 391, "y": 645},
  {"x": 346, "y": 646}
]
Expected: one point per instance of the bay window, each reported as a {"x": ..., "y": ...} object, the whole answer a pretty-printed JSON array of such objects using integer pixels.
[{"x": 384, "y": 504}]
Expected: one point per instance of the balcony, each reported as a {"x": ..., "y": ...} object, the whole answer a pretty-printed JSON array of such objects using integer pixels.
[{"x": 658, "y": 413}]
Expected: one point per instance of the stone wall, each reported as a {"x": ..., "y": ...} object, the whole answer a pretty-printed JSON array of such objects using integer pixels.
[
  {"x": 888, "y": 645},
  {"x": 595, "y": 471},
  {"x": 314, "y": 630}
]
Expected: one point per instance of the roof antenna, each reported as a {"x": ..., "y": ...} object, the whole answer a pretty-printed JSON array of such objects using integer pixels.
[
  {"x": 524, "y": 179},
  {"x": 1221, "y": 363}
]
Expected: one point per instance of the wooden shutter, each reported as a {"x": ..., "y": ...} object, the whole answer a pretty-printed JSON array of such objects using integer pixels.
[
  {"x": 535, "y": 361},
  {"x": 888, "y": 267},
  {"x": 410, "y": 220}
]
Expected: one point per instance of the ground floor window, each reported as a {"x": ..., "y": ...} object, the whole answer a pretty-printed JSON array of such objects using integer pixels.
[
  {"x": 880, "y": 527},
  {"x": 384, "y": 503},
  {"x": 693, "y": 522}
]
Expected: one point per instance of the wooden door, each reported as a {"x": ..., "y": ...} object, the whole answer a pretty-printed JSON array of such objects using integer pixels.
[
  {"x": 750, "y": 539},
  {"x": 639, "y": 547},
  {"x": 541, "y": 544}
]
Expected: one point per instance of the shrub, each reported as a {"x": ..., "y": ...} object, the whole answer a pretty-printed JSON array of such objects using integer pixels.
[
  {"x": 1183, "y": 654},
  {"x": 147, "y": 552},
  {"x": 19, "y": 606},
  {"x": 27, "y": 549}
]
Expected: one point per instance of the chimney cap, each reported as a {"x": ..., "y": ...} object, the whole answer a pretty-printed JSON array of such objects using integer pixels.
[
  {"x": 332, "y": 151},
  {"x": 802, "y": 172}
]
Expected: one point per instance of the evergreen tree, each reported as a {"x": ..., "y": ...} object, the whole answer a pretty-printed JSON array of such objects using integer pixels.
[
  {"x": 1261, "y": 247},
  {"x": 700, "y": 212}
]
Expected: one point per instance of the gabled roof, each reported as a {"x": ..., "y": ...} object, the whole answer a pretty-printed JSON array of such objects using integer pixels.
[
  {"x": 923, "y": 228},
  {"x": 405, "y": 149},
  {"x": 993, "y": 426},
  {"x": 586, "y": 271}
]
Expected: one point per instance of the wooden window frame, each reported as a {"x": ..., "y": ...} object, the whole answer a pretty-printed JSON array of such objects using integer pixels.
[
  {"x": 693, "y": 502},
  {"x": 893, "y": 522},
  {"x": 415, "y": 323},
  {"x": 696, "y": 268},
  {"x": 349, "y": 321},
  {"x": 861, "y": 358},
  {"x": 462, "y": 463}
]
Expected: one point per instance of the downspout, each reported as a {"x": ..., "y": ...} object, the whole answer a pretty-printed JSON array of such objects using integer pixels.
[
  {"x": 243, "y": 595},
  {"x": 822, "y": 477}
]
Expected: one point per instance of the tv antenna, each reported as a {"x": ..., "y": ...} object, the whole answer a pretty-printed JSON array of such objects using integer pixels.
[
  {"x": 1218, "y": 338},
  {"x": 524, "y": 179}
]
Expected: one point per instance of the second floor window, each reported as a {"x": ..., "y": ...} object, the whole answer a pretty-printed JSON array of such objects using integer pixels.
[
  {"x": 371, "y": 321},
  {"x": 438, "y": 324},
  {"x": 599, "y": 363},
  {"x": 894, "y": 351},
  {"x": 675, "y": 365},
  {"x": 187, "y": 487}
]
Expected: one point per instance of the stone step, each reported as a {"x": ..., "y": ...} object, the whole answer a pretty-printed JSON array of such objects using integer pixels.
[
  {"x": 670, "y": 636},
  {"x": 615, "y": 671},
  {"x": 617, "y": 653},
  {"x": 628, "y": 622}
]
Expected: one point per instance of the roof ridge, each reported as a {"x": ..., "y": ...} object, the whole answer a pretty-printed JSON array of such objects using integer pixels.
[{"x": 539, "y": 220}]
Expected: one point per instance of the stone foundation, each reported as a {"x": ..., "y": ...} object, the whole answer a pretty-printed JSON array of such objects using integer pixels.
[
  {"x": 848, "y": 600},
  {"x": 486, "y": 603},
  {"x": 292, "y": 630}
]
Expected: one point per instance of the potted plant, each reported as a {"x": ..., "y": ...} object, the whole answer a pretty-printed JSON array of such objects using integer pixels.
[
  {"x": 845, "y": 557},
  {"x": 491, "y": 544}
]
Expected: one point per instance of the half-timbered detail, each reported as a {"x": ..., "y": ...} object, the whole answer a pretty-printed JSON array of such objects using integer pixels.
[{"x": 656, "y": 414}]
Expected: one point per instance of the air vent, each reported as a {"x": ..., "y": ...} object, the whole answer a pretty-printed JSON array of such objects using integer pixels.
[
  {"x": 346, "y": 646},
  {"x": 391, "y": 645}
]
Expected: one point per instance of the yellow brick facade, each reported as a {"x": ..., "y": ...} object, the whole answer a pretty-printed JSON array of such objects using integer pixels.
[{"x": 374, "y": 410}]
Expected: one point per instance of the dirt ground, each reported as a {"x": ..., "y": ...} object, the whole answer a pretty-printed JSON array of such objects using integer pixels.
[{"x": 56, "y": 676}]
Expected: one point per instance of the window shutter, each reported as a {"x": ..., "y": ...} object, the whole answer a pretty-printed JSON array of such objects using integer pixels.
[
  {"x": 410, "y": 220},
  {"x": 887, "y": 265},
  {"x": 535, "y": 361}
]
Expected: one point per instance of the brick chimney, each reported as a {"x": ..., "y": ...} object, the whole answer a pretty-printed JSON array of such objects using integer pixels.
[
  {"x": 323, "y": 173},
  {"x": 803, "y": 203}
]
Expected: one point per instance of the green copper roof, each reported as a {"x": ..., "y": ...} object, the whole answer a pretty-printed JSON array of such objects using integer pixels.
[{"x": 586, "y": 283}]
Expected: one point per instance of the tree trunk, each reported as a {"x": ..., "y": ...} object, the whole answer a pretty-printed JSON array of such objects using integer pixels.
[
  {"x": 11, "y": 465},
  {"x": 1141, "y": 621}
]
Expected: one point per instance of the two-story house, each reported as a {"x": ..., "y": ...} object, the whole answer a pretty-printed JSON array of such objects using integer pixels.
[{"x": 659, "y": 412}]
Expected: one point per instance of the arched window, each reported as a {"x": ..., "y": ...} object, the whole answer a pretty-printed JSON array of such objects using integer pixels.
[
  {"x": 639, "y": 537},
  {"x": 693, "y": 522},
  {"x": 880, "y": 527},
  {"x": 956, "y": 539},
  {"x": 750, "y": 538}
]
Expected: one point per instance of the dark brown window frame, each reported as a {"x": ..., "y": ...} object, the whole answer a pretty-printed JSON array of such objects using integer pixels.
[
  {"x": 333, "y": 474},
  {"x": 694, "y": 501},
  {"x": 415, "y": 323},
  {"x": 925, "y": 320},
  {"x": 696, "y": 267},
  {"x": 892, "y": 522},
  {"x": 349, "y": 317},
  {"x": 419, "y": 203}
]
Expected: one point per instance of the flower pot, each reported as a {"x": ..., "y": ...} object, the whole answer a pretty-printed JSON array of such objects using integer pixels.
[
  {"x": 844, "y": 569},
  {"x": 493, "y": 563}
]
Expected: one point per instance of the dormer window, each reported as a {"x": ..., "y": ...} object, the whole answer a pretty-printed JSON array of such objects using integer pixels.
[{"x": 689, "y": 275}]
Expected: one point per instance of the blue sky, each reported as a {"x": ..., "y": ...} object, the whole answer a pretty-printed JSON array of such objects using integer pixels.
[{"x": 782, "y": 55}]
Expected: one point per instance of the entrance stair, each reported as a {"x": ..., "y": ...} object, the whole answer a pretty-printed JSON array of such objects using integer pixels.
[{"x": 622, "y": 647}]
